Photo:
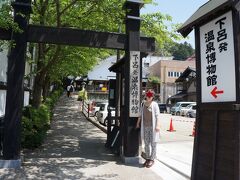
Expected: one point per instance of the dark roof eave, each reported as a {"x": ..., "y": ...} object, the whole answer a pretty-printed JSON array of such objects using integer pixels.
[
  {"x": 185, "y": 74},
  {"x": 188, "y": 27},
  {"x": 115, "y": 67}
]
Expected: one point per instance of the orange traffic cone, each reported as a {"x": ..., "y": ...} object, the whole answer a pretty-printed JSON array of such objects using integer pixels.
[
  {"x": 193, "y": 131},
  {"x": 171, "y": 129}
]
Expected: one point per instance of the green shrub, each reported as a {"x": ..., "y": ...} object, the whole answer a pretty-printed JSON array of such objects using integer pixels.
[
  {"x": 36, "y": 122},
  {"x": 52, "y": 99}
]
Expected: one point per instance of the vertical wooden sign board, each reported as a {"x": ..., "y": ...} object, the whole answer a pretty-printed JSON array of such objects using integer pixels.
[
  {"x": 134, "y": 84},
  {"x": 216, "y": 146}
]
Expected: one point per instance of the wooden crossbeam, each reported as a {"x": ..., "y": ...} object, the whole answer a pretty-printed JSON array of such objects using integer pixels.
[{"x": 76, "y": 37}]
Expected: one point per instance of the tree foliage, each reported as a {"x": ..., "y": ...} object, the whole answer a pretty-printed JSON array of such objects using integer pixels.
[
  {"x": 53, "y": 62},
  {"x": 181, "y": 51},
  {"x": 6, "y": 19},
  {"x": 159, "y": 25},
  {"x": 154, "y": 79}
]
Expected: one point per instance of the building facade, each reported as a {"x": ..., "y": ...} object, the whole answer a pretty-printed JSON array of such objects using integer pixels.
[{"x": 168, "y": 71}]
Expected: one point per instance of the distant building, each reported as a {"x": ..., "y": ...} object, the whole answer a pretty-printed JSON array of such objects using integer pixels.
[
  {"x": 98, "y": 79},
  {"x": 186, "y": 87},
  {"x": 168, "y": 71},
  {"x": 149, "y": 61}
]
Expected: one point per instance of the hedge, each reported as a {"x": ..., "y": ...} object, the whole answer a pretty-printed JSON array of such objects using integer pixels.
[{"x": 36, "y": 122}]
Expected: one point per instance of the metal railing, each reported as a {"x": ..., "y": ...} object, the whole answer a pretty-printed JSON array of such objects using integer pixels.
[
  {"x": 1, "y": 135},
  {"x": 86, "y": 110}
]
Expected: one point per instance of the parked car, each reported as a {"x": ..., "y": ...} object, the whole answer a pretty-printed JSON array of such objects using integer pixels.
[
  {"x": 103, "y": 112},
  {"x": 184, "y": 110},
  {"x": 96, "y": 108},
  {"x": 176, "y": 109},
  {"x": 162, "y": 108},
  {"x": 192, "y": 112}
]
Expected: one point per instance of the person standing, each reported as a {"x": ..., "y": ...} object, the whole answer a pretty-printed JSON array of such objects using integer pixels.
[
  {"x": 68, "y": 90},
  {"x": 150, "y": 127}
]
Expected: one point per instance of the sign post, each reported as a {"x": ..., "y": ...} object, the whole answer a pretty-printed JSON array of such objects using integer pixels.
[
  {"x": 216, "y": 144},
  {"x": 131, "y": 100}
]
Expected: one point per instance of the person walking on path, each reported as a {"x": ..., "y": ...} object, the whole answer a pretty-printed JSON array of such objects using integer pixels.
[
  {"x": 150, "y": 127},
  {"x": 70, "y": 89}
]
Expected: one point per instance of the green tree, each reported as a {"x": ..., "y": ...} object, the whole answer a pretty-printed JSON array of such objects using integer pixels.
[
  {"x": 155, "y": 25},
  {"x": 6, "y": 22},
  {"x": 181, "y": 51},
  {"x": 53, "y": 62}
]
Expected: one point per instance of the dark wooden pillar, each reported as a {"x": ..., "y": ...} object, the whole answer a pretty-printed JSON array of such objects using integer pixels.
[
  {"x": 131, "y": 83},
  {"x": 15, "y": 75}
]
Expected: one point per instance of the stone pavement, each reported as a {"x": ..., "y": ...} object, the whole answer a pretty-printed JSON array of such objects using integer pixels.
[{"x": 74, "y": 149}]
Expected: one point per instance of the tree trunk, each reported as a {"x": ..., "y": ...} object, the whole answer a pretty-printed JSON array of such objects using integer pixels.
[
  {"x": 37, "y": 90},
  {"x": 46, "y": 86},
  {"x": 39, "y": 79}
]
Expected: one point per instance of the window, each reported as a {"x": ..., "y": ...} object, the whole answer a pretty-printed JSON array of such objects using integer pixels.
[
  {"x": 174, "y": 74},
  {"x": 146, "y": 64}
]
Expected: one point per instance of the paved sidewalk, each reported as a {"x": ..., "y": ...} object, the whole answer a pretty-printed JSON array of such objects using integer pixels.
[{"x": 74, "y": 149}]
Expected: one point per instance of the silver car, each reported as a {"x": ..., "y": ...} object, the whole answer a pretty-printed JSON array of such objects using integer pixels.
[
  {"x": 192, "y": 113},
  {"x": 184, "y": 110},
  {"x": 176, "y": 109}
]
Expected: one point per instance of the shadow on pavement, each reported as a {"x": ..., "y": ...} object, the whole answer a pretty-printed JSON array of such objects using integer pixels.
[{"x": 74, "y": 149}]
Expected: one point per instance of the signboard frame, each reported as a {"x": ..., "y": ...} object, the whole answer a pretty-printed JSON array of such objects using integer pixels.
[{"x": 218, "y": 84}]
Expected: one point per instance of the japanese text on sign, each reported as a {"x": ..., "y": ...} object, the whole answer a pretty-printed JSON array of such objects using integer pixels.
[
  {"x": 217, "y": 53},
  {"x": 134, "y": 95},
  {"x": 211, "y": 67}
]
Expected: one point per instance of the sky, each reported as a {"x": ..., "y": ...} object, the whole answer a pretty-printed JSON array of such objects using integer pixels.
[{"x": 180, "y": 10}]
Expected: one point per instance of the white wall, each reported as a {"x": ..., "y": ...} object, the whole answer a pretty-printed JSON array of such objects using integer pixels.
[
  {"x": 3, "y": 78},
  {"x": 26, "y": 98},
  {"x": 154, "y": 59},
  {"x": 3, "y": 95},
  {"x": 3, "y": 66},
  {"x": 2, "y": 102}
]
